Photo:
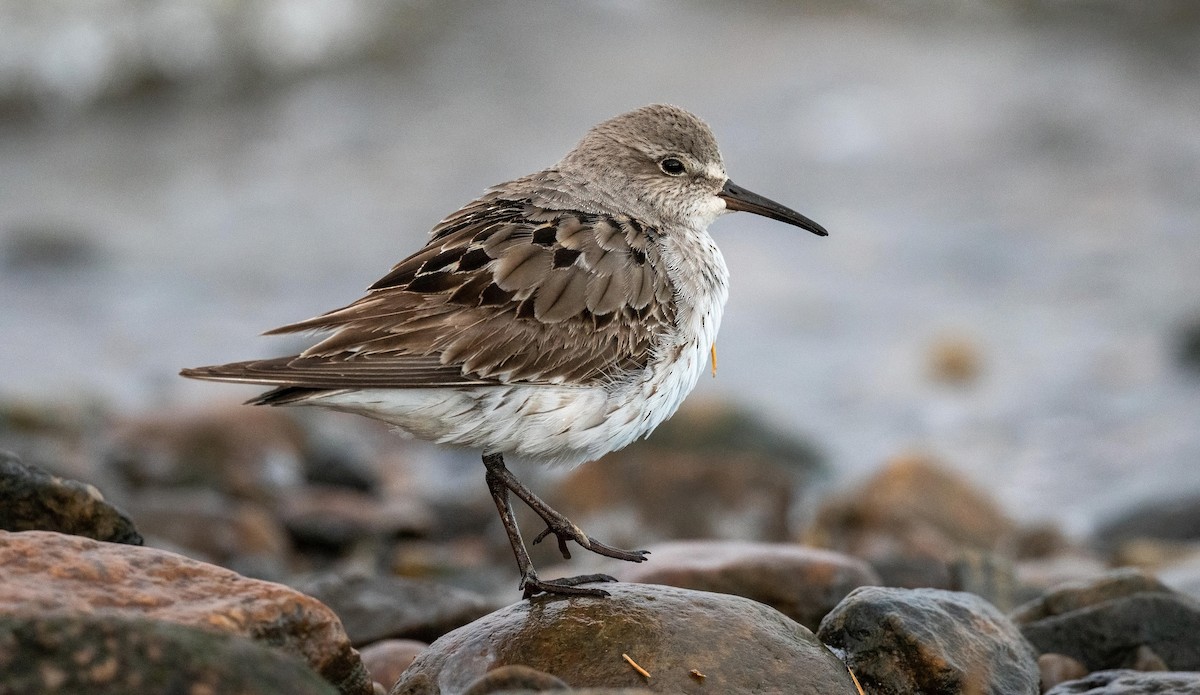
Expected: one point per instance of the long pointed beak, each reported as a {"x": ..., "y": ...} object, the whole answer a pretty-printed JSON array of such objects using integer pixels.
[{"x": 738, "y": 198}]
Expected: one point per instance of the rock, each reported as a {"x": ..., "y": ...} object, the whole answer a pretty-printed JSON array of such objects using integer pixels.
[
  {"x": 910, "y": 518},
  {"x": 1043, "y": 574},
  {"x": 375, "y": 607},
  {"x": 802, "y": 583},
  {"x": 988, "y": 575},
  {"x": 1151, "y": 554},
  {"x": 1183, "y": 575},
  {"x": 216, "y": 527},
  {"x": 1059, "y": 668},
  {"x": 664, "y": 496},
  {"x": 47, "y": 573},
  {"x": 1121, "y": 583},
  {"x": 708, "y": 472},
  {"x": 386, "y": 659},
  {"x": 333, "y": 519},
  {"x": 1144, "y": 659},
  {"x": 1125, "y": 682},
  {"x": 740, "y": 646},
  {"x": 902, "y": 641},
  {"x": 34, "y": 500},
  {"x": 514, "y": 677},
  {"x": 1171, "y": 520},
  {"x": 1104, "y": 623},
  {"x": 250, "y": 453},
  {"x": 105, "y": 654}
]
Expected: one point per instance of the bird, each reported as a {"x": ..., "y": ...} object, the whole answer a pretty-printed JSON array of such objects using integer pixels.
[{"x": 558, "y": 317}]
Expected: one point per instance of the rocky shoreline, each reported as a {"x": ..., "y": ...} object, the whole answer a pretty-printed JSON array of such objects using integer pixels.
[{"x": 241, "y": 552}]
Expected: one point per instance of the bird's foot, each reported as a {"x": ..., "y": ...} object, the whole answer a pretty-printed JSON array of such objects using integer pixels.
[
  {"x": 566, "y": 586},
  {"x": 564, "y": 531}
]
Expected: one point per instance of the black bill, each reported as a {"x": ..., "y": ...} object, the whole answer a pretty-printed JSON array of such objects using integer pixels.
[{"x": 738, "y": 198}]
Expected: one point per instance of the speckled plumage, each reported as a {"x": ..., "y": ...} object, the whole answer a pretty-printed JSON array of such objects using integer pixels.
[{"x": 558, "y": 317}]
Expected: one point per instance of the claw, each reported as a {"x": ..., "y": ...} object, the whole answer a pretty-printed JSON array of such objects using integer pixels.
[{"x": 566, "y": 586}]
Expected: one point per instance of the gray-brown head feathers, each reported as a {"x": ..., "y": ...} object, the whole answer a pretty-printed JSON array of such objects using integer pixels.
[{"x": 658, "y": 163}]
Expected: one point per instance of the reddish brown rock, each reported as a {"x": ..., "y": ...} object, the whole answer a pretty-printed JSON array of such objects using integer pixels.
[
  {"x": 48, "y": 573},
  {"x": 740, "y": 646},
  {"x": 801, "y": 582}
]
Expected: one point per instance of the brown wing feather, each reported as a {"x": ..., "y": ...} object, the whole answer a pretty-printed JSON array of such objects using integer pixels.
[{"x": 504, "y": 292}]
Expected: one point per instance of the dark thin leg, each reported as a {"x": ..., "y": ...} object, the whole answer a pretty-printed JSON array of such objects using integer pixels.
[{"x": 500, "y": 481}]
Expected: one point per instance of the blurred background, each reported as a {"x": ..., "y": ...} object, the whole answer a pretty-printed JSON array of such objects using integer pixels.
[{"x": 1011, "y": 284}]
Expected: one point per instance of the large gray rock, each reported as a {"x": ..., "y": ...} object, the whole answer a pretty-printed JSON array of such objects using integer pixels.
[
  {"x": 930, "y": 641},
  {"x": 688, "y": 641}
]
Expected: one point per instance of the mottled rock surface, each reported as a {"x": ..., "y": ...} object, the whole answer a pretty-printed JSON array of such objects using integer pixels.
[
  {"x": 34, "y": 500},
  {"x": 115, "y": 655},
  {"x": 802, "y": 583},
  {"x": 740, "y": 646},
  {"x": 903, "y": 641},
  {"x": 48, "y": 573}
]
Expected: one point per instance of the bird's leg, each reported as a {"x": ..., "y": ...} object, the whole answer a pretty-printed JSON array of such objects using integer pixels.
[
  {"x": 500, "y": 481},
  {"x": 556, "y": 523}
]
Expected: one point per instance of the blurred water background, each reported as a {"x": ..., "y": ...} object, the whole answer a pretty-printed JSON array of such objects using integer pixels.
[{"x": 1012, "y": 280}]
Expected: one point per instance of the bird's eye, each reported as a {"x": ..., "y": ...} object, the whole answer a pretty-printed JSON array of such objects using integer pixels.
[{"x": 672, "y": 167}]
